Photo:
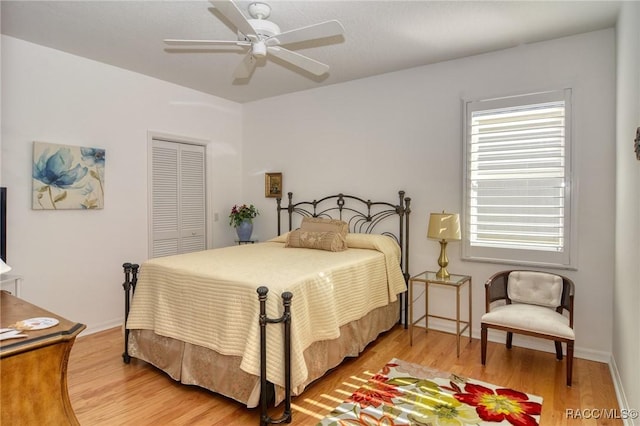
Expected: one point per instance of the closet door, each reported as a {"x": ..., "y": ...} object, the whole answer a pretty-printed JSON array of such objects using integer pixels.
[{"x": 178, "y": 222}]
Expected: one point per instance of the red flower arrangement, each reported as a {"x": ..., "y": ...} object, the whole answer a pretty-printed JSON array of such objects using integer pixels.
[{"x": 241, "y": 213}]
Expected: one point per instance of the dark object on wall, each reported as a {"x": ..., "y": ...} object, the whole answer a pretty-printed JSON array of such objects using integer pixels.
[
  {"x": 3, "y": 224},
  {"x": 637, "y": 143}
]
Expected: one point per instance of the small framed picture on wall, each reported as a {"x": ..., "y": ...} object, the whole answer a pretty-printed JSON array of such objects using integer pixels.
[{"x": 273, "y": 185}]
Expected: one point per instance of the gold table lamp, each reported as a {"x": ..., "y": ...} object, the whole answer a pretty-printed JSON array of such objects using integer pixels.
[{"x": 444, "y": 227}]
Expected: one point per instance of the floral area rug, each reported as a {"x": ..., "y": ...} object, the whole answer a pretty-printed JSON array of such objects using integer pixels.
[{"x": 403, "y": 393}]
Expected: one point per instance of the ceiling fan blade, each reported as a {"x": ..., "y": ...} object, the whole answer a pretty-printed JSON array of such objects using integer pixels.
[
  {"x": 233, "y": 14},
  {"x": 176, "y": 42},
  {"x": 301, "y": 61},
  {"x": 311, "y": 32},
  {"x": 246, "y": 67}
]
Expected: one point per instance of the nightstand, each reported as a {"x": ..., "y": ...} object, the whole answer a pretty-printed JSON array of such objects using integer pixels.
[
  {"x": 429, "y": 278},
  {"x": 251, "y": 241}
]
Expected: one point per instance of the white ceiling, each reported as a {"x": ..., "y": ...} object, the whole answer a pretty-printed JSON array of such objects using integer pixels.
[{"x": 380, "y": 36}]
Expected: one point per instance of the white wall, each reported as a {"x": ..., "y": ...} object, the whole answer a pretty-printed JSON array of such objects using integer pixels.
[
  {"x": 71, "y": 260},
  {"x": 402, "y": 130},
  {"x": 626, "y": 336}
]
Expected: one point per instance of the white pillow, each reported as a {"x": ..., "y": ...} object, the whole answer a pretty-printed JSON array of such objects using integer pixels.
[{"x": 537, "y": 288}]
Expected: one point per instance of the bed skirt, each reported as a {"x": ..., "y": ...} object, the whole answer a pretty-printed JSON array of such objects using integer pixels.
[{"x": 195, "y": 365}]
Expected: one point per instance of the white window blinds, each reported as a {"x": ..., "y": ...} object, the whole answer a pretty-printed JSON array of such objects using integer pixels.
[{"x": 518, "y": 179}]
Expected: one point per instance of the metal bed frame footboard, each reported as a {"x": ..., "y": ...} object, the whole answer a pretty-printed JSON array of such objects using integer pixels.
[
  {"x": 363, "y": 216},
  {"x": 129, "y": 286},
  {"x": 264, "y": 320}
]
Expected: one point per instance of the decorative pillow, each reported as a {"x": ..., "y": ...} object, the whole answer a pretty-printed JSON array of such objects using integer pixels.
[
  {"x": 537, "y": 288},
  {"x": 320, "y": 240},
  {"x": 320, "y": 224}
]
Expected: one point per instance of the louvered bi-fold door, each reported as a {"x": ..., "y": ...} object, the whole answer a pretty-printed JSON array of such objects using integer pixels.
[{"x": 178, "y": 198}]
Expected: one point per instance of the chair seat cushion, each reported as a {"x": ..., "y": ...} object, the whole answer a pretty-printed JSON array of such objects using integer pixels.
[{"x": 531, "y": 318}]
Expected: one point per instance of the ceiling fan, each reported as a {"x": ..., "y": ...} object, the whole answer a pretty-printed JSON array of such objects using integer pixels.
[{"x": 262, "y": 38}]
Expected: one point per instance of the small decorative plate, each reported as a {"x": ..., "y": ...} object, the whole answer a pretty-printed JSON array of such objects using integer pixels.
[{"x": 36, "y": 323}]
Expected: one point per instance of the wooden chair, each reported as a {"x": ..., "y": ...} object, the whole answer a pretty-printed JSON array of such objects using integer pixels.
[{"x": 530, "y": 303}]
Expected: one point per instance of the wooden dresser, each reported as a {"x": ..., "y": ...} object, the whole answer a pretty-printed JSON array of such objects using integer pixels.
[{"x": 33, "y": 369}]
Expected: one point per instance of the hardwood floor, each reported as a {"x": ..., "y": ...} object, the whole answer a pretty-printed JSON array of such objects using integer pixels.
[{"x": 105, "y": 391}]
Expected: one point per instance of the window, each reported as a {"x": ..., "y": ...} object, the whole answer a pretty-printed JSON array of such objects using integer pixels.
[{"x": 517, "y": 188}]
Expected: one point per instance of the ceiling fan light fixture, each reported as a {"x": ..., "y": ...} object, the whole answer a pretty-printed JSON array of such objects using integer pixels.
[
  {"x": 261, "y": 38},
  {"x": 259, "y": 49}
]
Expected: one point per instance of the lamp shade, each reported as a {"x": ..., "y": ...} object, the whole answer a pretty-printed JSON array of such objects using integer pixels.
[
  {"x": 4, "y": 267},
  {"x": 444, "y": 226}
]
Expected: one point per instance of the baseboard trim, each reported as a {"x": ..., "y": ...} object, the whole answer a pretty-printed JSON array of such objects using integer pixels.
[
  {"x": 96, "y": 328},
  {"x": 620, "y": 395}
]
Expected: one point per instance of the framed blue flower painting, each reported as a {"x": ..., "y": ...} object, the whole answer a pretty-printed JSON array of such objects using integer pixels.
[{"x": 67, "y": 177}]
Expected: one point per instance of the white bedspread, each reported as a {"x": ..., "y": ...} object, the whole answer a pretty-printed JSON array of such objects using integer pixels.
[{"x": 209, "y": 298}]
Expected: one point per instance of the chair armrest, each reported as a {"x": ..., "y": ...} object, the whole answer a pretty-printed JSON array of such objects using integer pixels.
[
  {"x": 496, "y": 288},
  {"x": 567, "y": 298}
]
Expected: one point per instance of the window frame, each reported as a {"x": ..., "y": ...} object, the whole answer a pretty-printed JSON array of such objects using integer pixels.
[{"x": 565, "y": 259}]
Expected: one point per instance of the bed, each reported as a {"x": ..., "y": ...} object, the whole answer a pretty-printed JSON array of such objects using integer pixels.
[{"x": 196, "y": 316}]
